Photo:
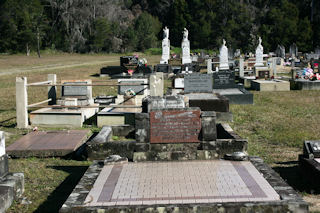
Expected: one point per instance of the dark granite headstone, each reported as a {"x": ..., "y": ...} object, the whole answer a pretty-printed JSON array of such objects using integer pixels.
[
  {"x": 128, "y": 60},
  {"x": 175, "y": 126},
  {"x": 144, "y": 70},
  {"x": 224, "y": 80},
  {"x": 165, "y": 68},
  {"x": 74, "y": 90},
  {"x": 311, "y": 149},
  {"x": 197, "y": 82}
]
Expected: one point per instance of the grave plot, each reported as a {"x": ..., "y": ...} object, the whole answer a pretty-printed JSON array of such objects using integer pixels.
[
  {"x": 167, "y": 129},
  {"x": 131, "y": 92},
  {"x": 11, "y": 184},
  {"x": 47, "y": 144},
  {"x": 200, "y": 186}
]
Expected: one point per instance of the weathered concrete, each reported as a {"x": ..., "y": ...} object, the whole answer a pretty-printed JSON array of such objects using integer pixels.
[
  {"x": 21, "y": 102},
  {"x": 303, "y": 84},
  {"x": 104, "y": 135},
  {"x": 270, "y": 85}
]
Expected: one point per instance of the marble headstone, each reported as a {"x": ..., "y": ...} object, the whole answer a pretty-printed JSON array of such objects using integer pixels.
[
  {"x": 241, "y": 67},
  {"x": 2, "y": 144},
  {"x": 165, "y": 47},
  {"x": 223, "y": 57},
  {"x": 259, "y": 54},
  {"x": 185, "y": 46}
]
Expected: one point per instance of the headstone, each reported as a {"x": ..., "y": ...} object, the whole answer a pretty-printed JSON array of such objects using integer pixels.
[
  {"x": 175, "y": 126},
  {"x": 129, "y": 61},
  {"x": 197, "y": 82},
  {"x": 185, "y": 46},
  {"x": 166, "y": 102},
  {"x": 156, "y": 84},
  {"x": 281, "y": 51},
  {"x": 209, "y": 66},
  {"x": 224, "y": 80},
  {"x": 223, "y": 57},
  {"x": 76, "y": 91},
  {"x": 274, "y": 67},
  {"x": 165, "y": 68},
  {"x": 165, "y": 47},
  {"x": 293, "y": 50},
  {"x": 2, "y": 144},
  {"x": 241, "y": 67},
  {"x": 137, "y": 89},
  {"x": 259, "y": 54}
]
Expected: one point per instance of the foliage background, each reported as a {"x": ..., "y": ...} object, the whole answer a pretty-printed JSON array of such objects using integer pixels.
[{"x": 135, "y": 25}]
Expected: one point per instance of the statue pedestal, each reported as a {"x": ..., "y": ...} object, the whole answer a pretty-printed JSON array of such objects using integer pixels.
[
  {"x": 185, "y": 46},
  {"x": 165, "y": 51}
]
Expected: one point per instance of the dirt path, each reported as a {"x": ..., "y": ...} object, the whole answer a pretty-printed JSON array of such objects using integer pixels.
[{"x": 52, "y": 67}]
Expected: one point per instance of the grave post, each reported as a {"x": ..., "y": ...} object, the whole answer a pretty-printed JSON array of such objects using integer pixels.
[
  {"x": 274, "y": 67},
  {"x": 241, "y": 67},
  {"x": 209, "y": 65},
  {"x": 52, "y": 90},
  {"x": 21, "y": 102}
]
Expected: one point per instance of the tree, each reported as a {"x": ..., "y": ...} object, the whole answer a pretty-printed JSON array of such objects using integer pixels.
[
  {"x": 102, "y": 33},
  {"x": 147, "y": 27}
]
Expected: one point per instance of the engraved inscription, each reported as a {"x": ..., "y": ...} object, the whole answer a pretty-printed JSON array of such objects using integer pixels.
[{"x": 174, "y": 126}]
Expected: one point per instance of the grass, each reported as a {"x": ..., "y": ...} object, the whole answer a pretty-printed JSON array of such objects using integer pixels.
[{"x": 276, "y": 126}]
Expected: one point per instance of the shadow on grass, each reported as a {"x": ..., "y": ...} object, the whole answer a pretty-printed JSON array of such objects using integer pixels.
[
  {"x": 56, "y": 199},
  {"x": 290, "y": 172}
]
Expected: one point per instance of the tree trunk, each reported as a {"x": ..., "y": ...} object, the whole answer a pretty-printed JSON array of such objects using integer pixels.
[
  {"x": 28, "y": 50},
  {"x": 38, "y": 39}
]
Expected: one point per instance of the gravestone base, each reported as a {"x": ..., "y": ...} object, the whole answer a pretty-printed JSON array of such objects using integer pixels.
[
  {"x": 246, "y": 81},
  {"x": 227, "y": 142},
  {"x": 11, "y": 188},
  {"x": 116, "y": 116},
  {"x": 303, "y": 84},
  {"x": 69, "y": 117},
  {"x": 270, "y": 85},
  {"x": 208, "y": 102},
  {"x": 236, "y": 95}
]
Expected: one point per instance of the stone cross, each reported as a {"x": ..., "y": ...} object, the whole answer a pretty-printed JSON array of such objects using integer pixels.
[{"x": 2, "y": 144}]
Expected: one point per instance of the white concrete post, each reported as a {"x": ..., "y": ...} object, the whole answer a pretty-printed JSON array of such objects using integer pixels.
[
  {"x": 209, "y": 66},
  {"x": 156, "y": 84},
  {"x": 21, "y": 102},
  {"x": 52, "y": 90},
  {"x": 241, "y": 67},
  {"x": 274, "y": 67},
  {"x": 2, "y": 144}
]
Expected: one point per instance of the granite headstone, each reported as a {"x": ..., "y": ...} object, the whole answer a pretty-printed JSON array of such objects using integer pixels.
[
  {"x": 197, "y": 82},
  {"x": 224, "y": 80}
]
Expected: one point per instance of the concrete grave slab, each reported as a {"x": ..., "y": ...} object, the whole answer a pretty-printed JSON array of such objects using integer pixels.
[
  {"x": 197, "y": 186},
  {"x": 270, "y": 85},
  {"x": 45, "y": 144}
]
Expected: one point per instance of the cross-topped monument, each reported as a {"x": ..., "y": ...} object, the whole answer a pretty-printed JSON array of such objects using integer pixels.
[
  {"x": 223, "y": 57},
  {"x": 165, "y": 47}
]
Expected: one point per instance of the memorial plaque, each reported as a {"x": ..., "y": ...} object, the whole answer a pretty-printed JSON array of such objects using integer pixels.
[
  {"x": 74, "y": 90},
  {"x": 175, "y": 126},
  {"x": 197, "y": 82},
  {"x": 224, "y": 80}
]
